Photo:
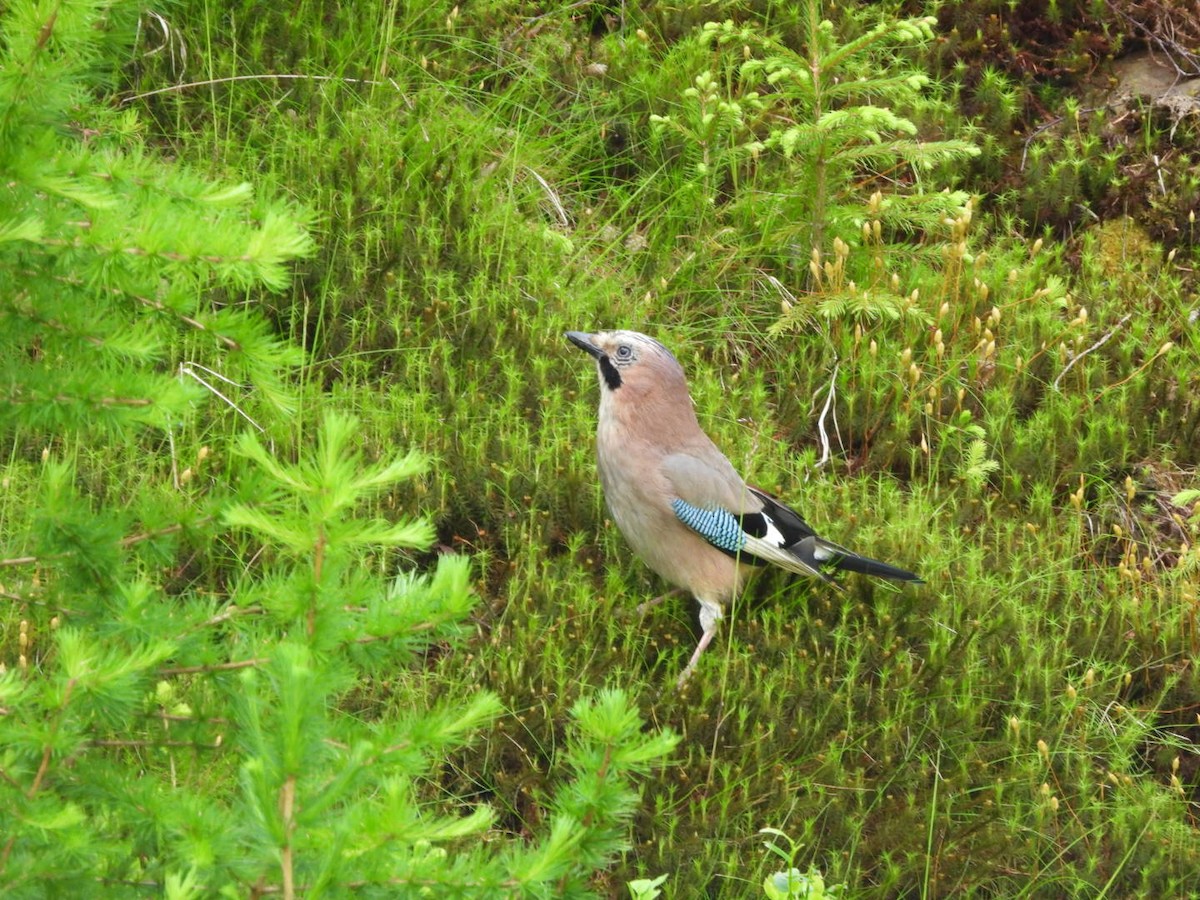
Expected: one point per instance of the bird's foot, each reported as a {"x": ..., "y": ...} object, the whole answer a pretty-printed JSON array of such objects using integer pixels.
[
  {"x": 705, "y": 638},
  {"x": 685, "y": 675}
]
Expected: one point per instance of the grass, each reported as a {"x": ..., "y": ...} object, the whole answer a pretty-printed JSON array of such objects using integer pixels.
[{"x": 1022, "y": 725}]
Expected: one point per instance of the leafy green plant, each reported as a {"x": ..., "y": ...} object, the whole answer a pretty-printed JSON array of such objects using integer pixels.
[
  {"x": 107, "y": 253},
  {"x": 192, "y": 643},
  {"x": 832, "y": 116},
  {"x": 1188, "y": 498},
  {"x": 791, "y": 883},
  {"x": 646, "y": 888},
  {"x": 796, "y": 885},
  {"x": 326, "y": 798}
]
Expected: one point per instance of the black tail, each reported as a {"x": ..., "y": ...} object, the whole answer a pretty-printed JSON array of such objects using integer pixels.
[
  {"x": 815, "y": 552},
  {"x": 852, "y": 562}
]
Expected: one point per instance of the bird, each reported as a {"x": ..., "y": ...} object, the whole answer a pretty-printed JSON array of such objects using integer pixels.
[{"x": 678, "y": 501}]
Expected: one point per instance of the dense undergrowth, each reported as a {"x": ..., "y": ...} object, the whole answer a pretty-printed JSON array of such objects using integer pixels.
[{"x": 995, "y": 392}]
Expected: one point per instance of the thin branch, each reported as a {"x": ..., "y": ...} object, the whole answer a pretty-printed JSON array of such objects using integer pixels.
[
  {"x": 216, "y": 667},
  {"x": 149, "y": 535},
  {"x": 112, "y": 401},
  {"x": 195, "y": 745},
  {"x": 159, "y": 306},
  {"x": 124, "y": 543},
  {"x": 53, "y": 324},
  {"x": 262, "y": 890},
  {"x": 563, "y": 218},
  {"x": 68, "y": 398},
  {"x": 211, "y": 81},
  {"x": 156, "y": 305},
  {"x": 1096, "y": 346},
  {"x": 186, "y": 369},
  {"x": 287, "y": 807},
  {"x": 231, "y": 613},
  {"x": 1048, "y": 125},
  {"x": 825, "y": 449},
  {"x": 47, "y": 752},
  {"x": 1171, "y": 49},
  {"x": 191, "y": 720},
  {"x": 1163, "y": 350},
  {"x": 413, "y": 629}
]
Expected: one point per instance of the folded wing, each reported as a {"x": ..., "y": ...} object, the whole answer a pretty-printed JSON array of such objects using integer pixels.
[{"x": 713, "y": 501}]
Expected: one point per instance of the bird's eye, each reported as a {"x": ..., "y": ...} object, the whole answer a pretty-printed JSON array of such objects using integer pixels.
[{"x": 624, "y": 351}]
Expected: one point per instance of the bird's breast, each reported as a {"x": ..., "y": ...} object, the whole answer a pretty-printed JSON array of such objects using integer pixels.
[{"x": 638, "y": 496}]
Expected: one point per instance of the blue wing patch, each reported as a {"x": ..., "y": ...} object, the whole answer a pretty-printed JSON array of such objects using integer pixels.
[{"x": 719, "y": 527}]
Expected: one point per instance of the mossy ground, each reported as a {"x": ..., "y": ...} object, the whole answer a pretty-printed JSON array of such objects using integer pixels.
[{"x": 485, "y": 178}]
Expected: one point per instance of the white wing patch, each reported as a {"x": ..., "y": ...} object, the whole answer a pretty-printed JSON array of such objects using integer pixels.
[
  {"x": 773, "y": 536},
  {"x": 773, "y": 553}
]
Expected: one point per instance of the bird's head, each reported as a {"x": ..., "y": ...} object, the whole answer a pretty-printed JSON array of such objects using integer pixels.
[
  {"x": 642, "y": 386},
  {"x": 630, "y": 362}
]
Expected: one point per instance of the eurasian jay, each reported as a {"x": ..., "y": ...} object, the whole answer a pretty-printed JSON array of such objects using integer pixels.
[{"x": 676, "y": 498}]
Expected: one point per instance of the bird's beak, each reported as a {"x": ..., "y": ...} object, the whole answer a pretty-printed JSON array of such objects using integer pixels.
[{"x": 584, "y": 342}]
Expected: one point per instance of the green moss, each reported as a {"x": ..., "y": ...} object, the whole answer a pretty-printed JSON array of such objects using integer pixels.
[{"x": 497, "y": 187}]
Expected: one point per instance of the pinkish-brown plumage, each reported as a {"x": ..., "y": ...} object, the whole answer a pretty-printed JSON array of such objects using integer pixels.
[{"x": 676, "y": 498}]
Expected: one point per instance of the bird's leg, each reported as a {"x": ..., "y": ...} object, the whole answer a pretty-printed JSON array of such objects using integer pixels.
[
  {"x": 710, "y": 615},
  {"x": 643, "y": 608}
]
